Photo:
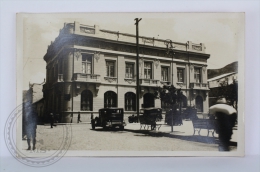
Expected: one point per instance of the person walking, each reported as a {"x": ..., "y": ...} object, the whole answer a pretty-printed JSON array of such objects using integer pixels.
[
  {"x": 225, "y": 121},
  {"x": 79, "y": 117},
  {"x": 51, "y": 119}
]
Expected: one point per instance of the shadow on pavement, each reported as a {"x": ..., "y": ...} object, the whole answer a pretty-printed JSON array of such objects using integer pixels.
[
  {"x": 108, "y": 130},
  {"x": 195, "y": 138}
]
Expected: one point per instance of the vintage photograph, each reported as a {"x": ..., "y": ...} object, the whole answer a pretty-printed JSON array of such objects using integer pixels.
[{"x": 154, "y": 84}]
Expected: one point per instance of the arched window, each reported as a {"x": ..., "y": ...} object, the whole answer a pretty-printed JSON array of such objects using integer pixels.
[
  {"x": 110, "y": 99},
  {"x": 148, "y": 100},
  {"x": 130, "y": 101},
  {"x": 199, "y": 103},
  {"x": 86, "y": 101}
]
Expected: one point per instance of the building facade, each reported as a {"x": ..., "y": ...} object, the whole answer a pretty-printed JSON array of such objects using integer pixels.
[
  {"x": 89, "y": 68},
  {"x": 223, "y": 85}
]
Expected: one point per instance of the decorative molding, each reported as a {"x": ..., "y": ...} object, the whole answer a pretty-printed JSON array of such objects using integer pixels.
[
  {"x": 148, "y": 40},
  {"x": 197, "y": 47},
  {"x": 78, "y": 54},
  {"x": 97, "y": 89},
  {"x": 191, "y": 67},
  {"x": 87, "y": 30},
  {"x": 156, "y": 63},
  {"x": 110, "y": 79},
  {"x": 204, "y": 69},
  {"x": 130, "y": 80},
  {"x": 97, "y": 56},
  {"x": 141, "y": 60}
]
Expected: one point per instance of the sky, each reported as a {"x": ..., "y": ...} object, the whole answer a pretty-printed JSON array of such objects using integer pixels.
[{"x": 222, "y": 34}]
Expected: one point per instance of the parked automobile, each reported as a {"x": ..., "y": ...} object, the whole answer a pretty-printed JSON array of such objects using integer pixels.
[{"x": 109, "y": 118}]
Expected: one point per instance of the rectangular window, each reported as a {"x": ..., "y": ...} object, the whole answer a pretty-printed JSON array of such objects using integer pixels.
[
  {"x": 197, "y": 75},
  {"x": 164, "y": 74},
  {"x": 87, "y": 64},
  {"x": 180, "y": 74},
  {"x": 147, "y": 70},
  {"x": 129, "y": 70},
  {"x": 110, "y": 68}
]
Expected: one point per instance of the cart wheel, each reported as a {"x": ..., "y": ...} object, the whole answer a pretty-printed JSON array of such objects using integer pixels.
[{"x": 153, "y": 126}]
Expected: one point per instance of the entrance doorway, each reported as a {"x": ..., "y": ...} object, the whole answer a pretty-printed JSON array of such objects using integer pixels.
[{"x": 148, "y": 100}]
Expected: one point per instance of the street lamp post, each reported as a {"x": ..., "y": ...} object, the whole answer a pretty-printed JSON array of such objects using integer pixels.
[
  {"x": 170, "y": 47},
  {"x": 137, "y": 66}
]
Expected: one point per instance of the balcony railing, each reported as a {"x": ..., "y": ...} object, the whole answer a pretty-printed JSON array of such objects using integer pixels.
[
  {"x": 149, "y": 82},
  {"x": 198, "y": 85},
  {"x": 86, "y": 77}
]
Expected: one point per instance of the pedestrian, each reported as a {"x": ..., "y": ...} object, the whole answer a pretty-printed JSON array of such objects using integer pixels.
[
  {"x": 51, "y": 119},
  {"x": 79, "y": 117},
  {"x": 225, "y": 121},
  {"x": 31, "y": 125}
]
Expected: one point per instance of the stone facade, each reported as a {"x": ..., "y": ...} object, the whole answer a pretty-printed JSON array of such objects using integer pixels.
[{"x": 89, "y": 68}]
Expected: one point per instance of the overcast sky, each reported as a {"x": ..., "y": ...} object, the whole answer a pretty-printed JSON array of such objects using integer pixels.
[{"x": 222, "y": 34}]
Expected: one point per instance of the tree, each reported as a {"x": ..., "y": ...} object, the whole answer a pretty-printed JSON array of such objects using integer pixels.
[
  {"x": 170, "y": 95},
  {"x": 230, "y": 92}
]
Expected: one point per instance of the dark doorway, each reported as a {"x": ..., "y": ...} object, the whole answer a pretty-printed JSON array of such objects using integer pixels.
[{"x": 148, "y": 100}]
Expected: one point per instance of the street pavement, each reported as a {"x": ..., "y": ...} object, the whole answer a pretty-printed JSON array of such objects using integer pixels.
[{"x": 131, "y": 139}]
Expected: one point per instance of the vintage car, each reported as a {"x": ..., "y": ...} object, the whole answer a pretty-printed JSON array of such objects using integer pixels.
[
  {"x": 149, "y": 117},
  {"x": 109, "y": 118}
]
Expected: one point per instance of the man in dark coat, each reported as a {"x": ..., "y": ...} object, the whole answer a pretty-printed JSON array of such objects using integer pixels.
[
  {"x": 51, "y": 120},
  {"x": 79, "y": 117}
]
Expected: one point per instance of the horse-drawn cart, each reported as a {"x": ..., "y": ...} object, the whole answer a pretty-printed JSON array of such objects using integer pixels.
[{"x": 149, "y": 116}]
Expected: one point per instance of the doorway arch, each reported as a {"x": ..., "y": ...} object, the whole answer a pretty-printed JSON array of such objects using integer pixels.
[
  {"x": 110, "y": 99},
  {"x": 148, "y": 100}
]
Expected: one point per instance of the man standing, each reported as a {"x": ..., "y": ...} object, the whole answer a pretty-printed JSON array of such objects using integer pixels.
[
  {"x": 51, "y": 119},
  {"x": 79, "y": 117},
  {"x": 31, "y": 125},
  {"x": 225, "y": 121}
]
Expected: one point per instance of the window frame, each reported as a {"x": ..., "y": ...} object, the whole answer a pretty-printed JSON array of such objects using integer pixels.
[
  {"x": 167, "y": 72},
  {"x": 132, "y": 97},
  {"x": 151, "y": 69},
  {"x": 114, "y": 69},
  {"x": 85, "y": 63},
  {"x": 197, "y": 74},
  {"x": 133, "y": 70},
  {"x": 183, "y": 76}
]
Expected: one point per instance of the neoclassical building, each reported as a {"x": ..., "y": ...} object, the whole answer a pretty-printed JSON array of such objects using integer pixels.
[{"x": 88, "y": 68}]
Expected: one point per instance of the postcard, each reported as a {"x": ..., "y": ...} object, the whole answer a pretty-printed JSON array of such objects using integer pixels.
[{"x": 128, "y": 84}]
